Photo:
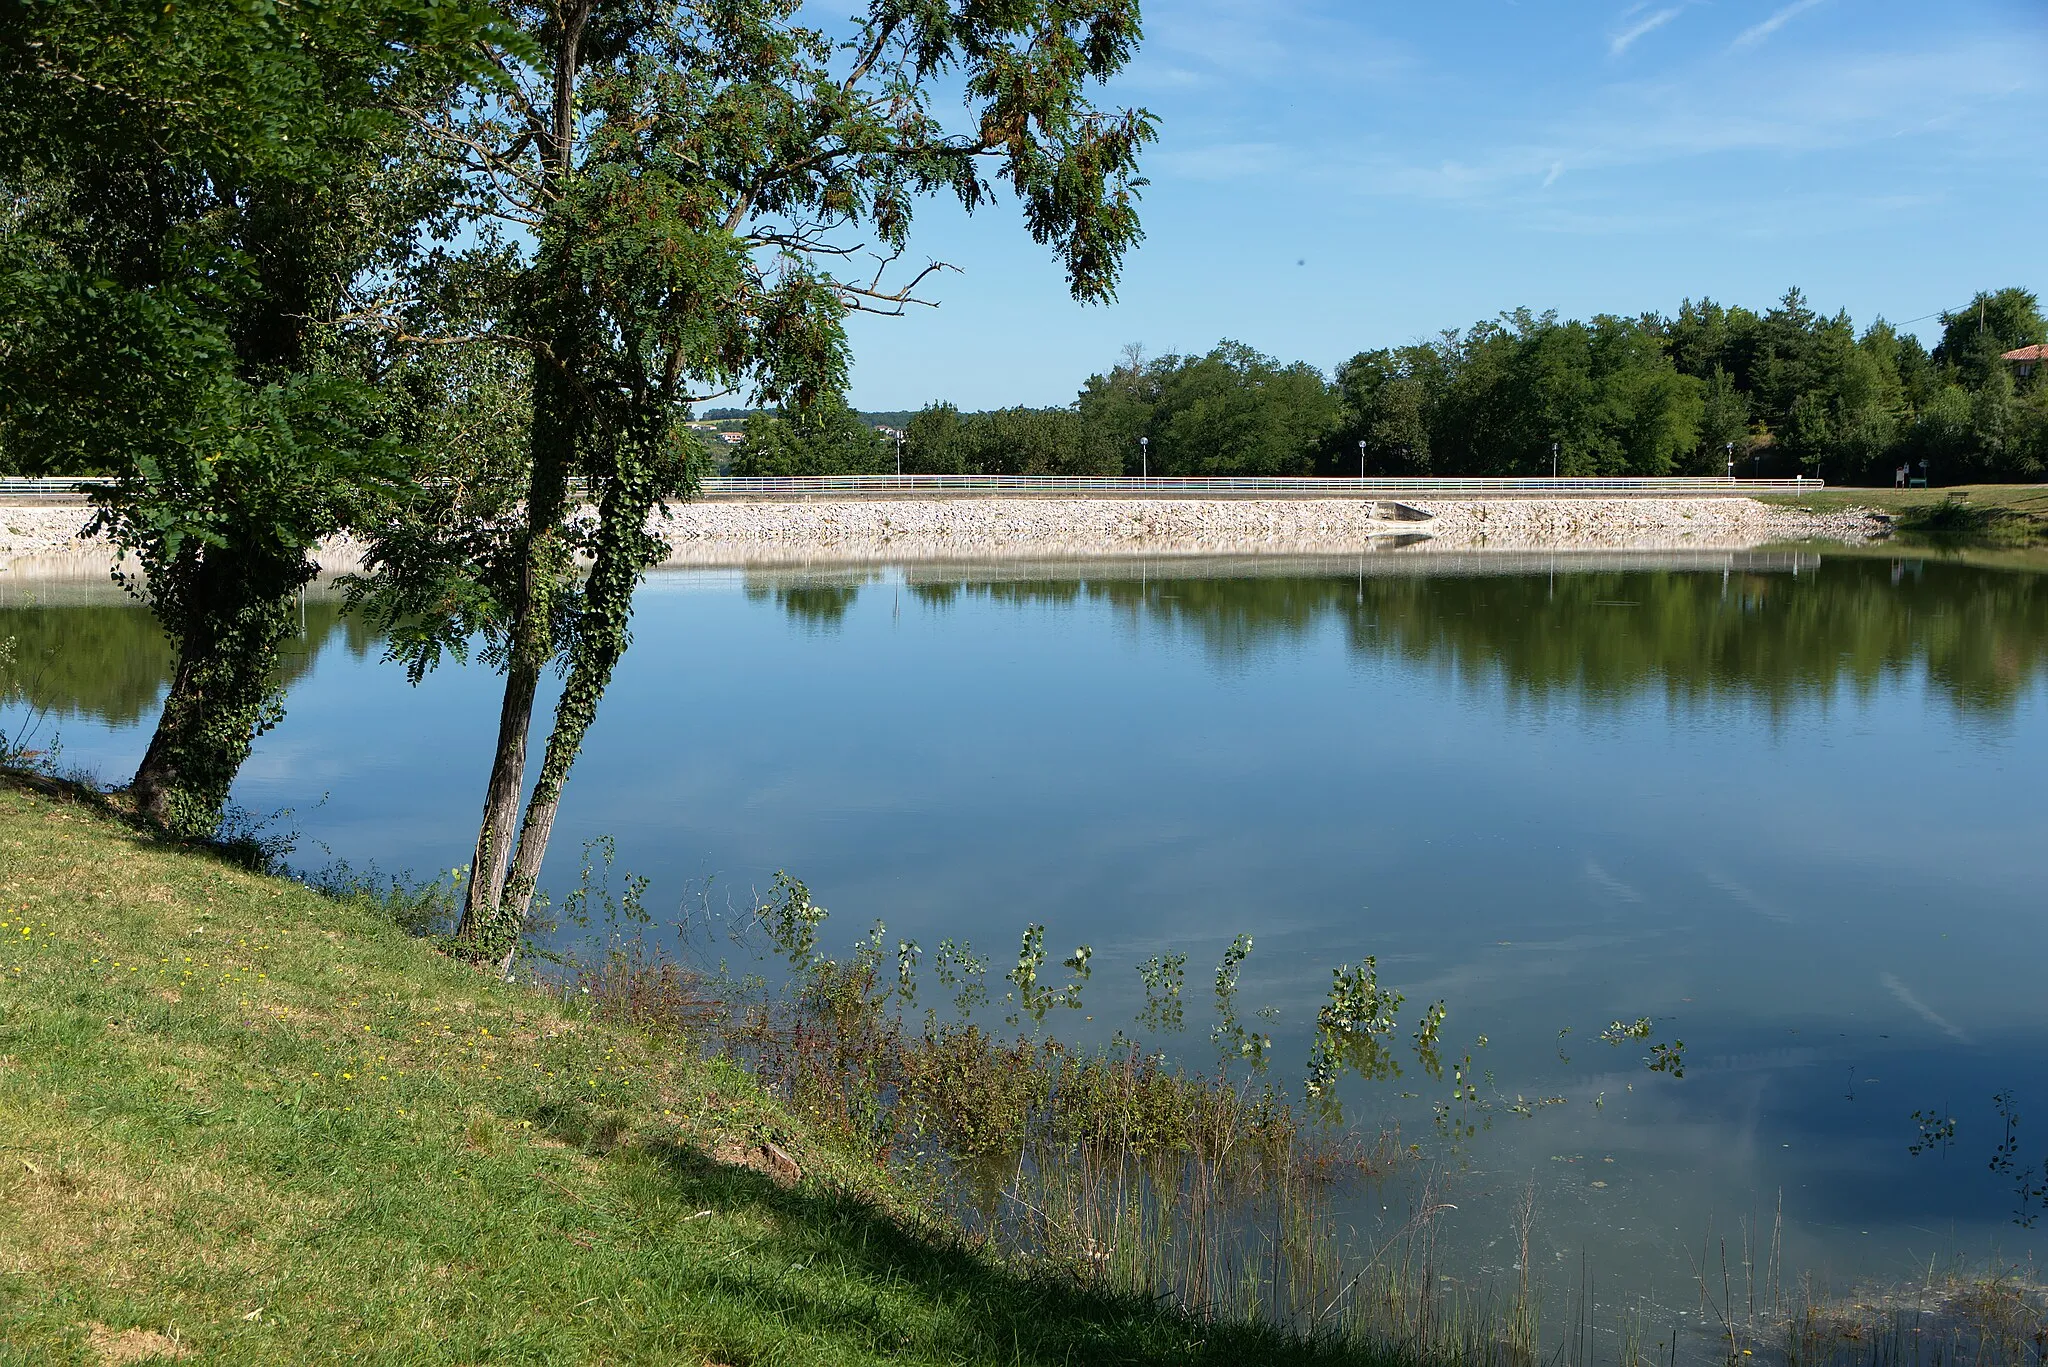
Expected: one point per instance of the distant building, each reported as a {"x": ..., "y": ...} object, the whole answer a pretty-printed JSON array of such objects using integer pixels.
[
  {"x": 732, "y": 438},
  {"x": 2025, "y": 360},
  {"x": 892, "y": 433}
]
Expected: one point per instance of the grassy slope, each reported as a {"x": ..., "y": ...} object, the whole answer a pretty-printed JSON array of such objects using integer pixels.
[
  {"x": 2029, "y": 500},
  {"x": 267, "y": 1127}
]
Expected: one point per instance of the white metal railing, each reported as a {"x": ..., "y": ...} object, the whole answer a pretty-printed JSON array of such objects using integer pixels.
[
  {"x": 811, "y": 486},
  {"x": 20, "y": 487}
]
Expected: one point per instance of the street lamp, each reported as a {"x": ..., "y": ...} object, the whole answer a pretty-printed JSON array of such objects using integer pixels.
[
  {"x": 1361, "y": 460},
  {"x": 1553, "y": 460},
  {"x": 1731, "y": 462},
  {"x": 1144, "y": 458},
  {"x": 899, "y": 457}
]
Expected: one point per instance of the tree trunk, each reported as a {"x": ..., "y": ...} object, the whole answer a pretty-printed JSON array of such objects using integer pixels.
[
  {"x": 624, "y": 550},
  {"x": 238, "y": 607},
  {"x": 501, "y": 801},
  {"x": 552, "y": 446}
]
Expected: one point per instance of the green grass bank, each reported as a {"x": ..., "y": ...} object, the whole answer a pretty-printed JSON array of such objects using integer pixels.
[{"x": 243, "y": 1122}]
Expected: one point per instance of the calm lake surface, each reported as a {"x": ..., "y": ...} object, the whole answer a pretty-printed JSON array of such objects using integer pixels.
[{"x": 1786, "y": 805}]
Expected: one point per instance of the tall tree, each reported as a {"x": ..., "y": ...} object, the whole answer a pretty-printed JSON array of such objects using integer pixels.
[
  {"x": 194, "y": 188},
  {"x": 1991, "y": 324},
  {"x": 697, "y": 180}
]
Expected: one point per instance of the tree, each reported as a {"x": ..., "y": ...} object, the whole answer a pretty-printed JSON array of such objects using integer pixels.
[
  {"x": 933, "y": 443},
  {"x": 942, "y": 440},
  {"x": 193, "y": 190},
  {"x": 1724, "y": 423},
  {"x": 1232, "y": 411},
  {"x": 1388, "y": 400},
  {"x": 695, "y": 180},
  {"x": 827, "y": 438},
  {"x": 1993, "y": 323}
]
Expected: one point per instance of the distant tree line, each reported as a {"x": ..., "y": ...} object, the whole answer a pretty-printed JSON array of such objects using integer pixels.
[{"x": 1782, "y": 392}]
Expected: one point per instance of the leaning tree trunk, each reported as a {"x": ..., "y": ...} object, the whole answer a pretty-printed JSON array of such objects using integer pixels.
[
  {"x": 624, "y": 550},
  {"x": 552, "y": 450},
  {"x": 237, "y": 608}
]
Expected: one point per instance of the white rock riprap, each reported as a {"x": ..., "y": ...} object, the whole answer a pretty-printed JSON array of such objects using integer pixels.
[
  {"x": 729, "y": 533},
  {"x": 723, "y": 533},
  {"x": 1635, "y": 524},
  {"x": 43, "y": 529},
  {"x": 854, "y": 530},
  {"x": 46, "y": 538}
]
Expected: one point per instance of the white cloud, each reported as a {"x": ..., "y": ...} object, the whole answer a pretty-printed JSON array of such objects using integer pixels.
[
  {"x": 1756, "y": 33},
  {"x": 1624, "y": 40},
  {"x": 1921, "y": 1009},
  {"x": 1599, "y": 877},
  {"x": 1226, "y": 161}
]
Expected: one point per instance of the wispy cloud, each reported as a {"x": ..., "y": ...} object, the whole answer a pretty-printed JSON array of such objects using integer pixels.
[
  {"x": 1228, "y": 161},
  {"x": 1609, "y": 884},
  {"x": 1722, "y": 883},
  {"x": 1841, "y": 101},
  {"x": 1921, "y": 1009},
  {"x": 1756, "y": 33},
  {"x": 1649, "y": 23}
]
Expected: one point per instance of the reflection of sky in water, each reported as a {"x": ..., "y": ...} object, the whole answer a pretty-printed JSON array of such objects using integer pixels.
[{"x": 1815, "y": 860}]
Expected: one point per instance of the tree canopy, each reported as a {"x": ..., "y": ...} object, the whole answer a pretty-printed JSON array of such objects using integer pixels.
[
  {"x": 191, "y": 193},
  {"x": 1779, "y": 392}
]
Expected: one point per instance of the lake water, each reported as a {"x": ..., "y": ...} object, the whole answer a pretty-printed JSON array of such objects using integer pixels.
[{"x": 1786, "y": 805}]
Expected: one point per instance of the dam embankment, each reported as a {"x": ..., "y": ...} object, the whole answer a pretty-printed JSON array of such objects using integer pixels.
[{"x": 45, "y": 536}]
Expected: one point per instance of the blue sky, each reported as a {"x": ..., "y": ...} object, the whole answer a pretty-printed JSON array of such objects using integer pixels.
[{"x": 1332, "y": 177}]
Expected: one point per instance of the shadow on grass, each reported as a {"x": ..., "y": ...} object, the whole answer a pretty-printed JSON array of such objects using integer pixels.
[{"x": 972, "y": 1309}]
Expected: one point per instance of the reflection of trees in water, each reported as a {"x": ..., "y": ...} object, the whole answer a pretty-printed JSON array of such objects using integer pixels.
[
  {"x": 108, "y": 661},
  {"x": 1980, "y": 636},
  {"x": 816, "y": 603}
]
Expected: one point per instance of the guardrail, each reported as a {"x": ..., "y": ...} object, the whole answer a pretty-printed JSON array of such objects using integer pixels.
[{"x": 1036, "y": 486}]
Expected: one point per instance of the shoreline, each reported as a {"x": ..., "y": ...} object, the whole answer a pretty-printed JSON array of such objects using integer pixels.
[{"x": 41, "y": 541}]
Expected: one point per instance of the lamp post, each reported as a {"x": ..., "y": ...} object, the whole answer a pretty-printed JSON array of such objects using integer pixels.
[
  {"x": 1553, "y": 460},
  {"x": 1361, "y": 460},
  {"x": 1144, "y": 458},
  {"x": 1731, "y": 462},
  {"x": 899, "y": 457}
]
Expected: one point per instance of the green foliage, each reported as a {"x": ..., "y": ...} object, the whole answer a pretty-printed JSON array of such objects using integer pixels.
[
  {"x": 192, "y": 193},
  {"x": 1498, "y": 398},
  {"x": 827, "y": 438},
  {"x": 1233, "y": 1040},
  {"x": 1163, "y": 975},
  {"x": 1351, "y": 1027},
  {"x": 1231, "y": 411},
  {"x": 941, "y": 440},
  {"x": 1030, "y": 996},
  {"x": 1992, "y": 323},
  {"x": 791, "y": 920},
  {"x": 670, "y": 222},
  {"x": 1780, "y": 392}
]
